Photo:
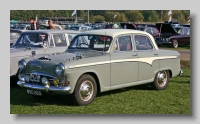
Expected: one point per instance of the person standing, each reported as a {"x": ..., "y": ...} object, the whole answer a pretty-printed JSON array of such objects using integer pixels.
[
  {"x": 107, "y": 25},
  {"x": 115, "y": 25},
  {"x": 34, "y": 26},
  {"x": 51, "y": 25}
]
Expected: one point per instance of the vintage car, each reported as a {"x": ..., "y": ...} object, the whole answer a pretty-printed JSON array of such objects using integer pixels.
[
  {"x": 32, "y": 42},
  {"x": 182, "y": 39},
  {"x": 98, "y": 61},
  {"x": 173, "y": 36},
  {"x": 80, "y": 28},
  {"x": 166, "y": 31}
]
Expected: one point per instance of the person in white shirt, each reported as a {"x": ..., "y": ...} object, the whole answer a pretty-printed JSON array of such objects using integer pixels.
[{"x": 115, "y": 25}]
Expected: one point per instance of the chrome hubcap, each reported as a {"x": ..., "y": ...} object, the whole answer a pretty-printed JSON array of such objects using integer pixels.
[
  {"x": 162, "y": 78},
  {"x": 175, "y": 43},
  {"x": 86, "y": 90}
]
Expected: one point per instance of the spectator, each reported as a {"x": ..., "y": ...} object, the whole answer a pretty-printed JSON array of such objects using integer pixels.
[
  {"x": 115, "y": 25},
  {"x": 34, "y": 26},
  {"x": 51, "y": 26},
  {"x": 107, "y": 25}
]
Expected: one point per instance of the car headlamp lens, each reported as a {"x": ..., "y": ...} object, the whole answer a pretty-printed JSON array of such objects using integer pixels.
[
  {"x": 21, "y": 64},
  {"x": 44, "y": 80},
  {"x": 60, "y": 69}
]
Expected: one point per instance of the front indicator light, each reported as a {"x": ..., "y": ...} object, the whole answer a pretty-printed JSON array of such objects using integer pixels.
[{"x": 55, "y": 82}]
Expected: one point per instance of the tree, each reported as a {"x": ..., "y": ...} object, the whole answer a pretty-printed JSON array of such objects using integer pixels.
[
  {"x": 153, "y": 16},
  {"x": 134, "y": 16},
  {"x": 99, "y": 18}
]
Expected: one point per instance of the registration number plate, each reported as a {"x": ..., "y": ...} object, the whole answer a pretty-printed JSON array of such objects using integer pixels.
[{"x": 34, "y": 92}]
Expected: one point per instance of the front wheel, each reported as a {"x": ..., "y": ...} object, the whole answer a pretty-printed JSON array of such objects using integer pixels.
[
  {"x": 161, "y": 80},
  {"x": 85, "y": 90},
  {"x": 175, "y": 43}
]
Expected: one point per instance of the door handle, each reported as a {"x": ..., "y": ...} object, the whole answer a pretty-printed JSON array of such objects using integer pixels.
[
  {"x": 155, "y": 54},
  {"x": 135, "y": 55}
]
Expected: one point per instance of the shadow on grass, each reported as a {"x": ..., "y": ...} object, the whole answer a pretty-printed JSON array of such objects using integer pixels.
[
  {"x": 18, "y": 96},
  {"x": 138, "y": 87}
]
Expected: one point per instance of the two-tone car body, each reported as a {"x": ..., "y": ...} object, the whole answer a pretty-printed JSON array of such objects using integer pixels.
[{"x": 98, "y": 61}]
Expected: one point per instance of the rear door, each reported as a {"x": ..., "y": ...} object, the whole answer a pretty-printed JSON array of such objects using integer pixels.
[{"x": 147, "y": 57}]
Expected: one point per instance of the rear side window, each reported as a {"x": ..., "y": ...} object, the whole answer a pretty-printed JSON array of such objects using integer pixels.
[{"x": 143, "y": 42}]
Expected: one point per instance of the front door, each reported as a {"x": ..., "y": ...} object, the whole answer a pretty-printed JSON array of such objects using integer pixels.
[{"x": 124, "y": 61}]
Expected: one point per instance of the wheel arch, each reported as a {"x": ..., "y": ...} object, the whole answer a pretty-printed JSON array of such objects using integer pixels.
[{"x": 94, "y": 75}]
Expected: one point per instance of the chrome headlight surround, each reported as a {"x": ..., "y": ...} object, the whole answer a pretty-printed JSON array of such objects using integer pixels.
[
  {"x": 60, "y": 68},
  {"x": 167, "y": 39},
  {"x": 21, "y": 64}
]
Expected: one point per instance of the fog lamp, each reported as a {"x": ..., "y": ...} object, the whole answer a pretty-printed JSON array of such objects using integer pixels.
[{"x": 55, "y": 81}]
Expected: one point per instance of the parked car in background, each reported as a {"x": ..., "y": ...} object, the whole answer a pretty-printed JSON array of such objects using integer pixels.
[
  {"x": 128, "y": 26},
  {"x": 151, "y": 30},
  {"x": 173, "y": 36},
  {"x": 14, "y": 35},
  {"x": 80, "y": 28},
  {"x": 33, "y": 42},
  {"x": 182, "y": 39},
  {"x": 98, "y": 61},
  {"x": 44, "y": 26},
  {"x": 166, "y": 31},
  {"x": 23, "y": 27}
]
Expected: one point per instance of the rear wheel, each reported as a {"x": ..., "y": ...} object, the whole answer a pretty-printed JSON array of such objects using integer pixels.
[
  {"x": 175, "y": 43},
  {"x": 85, "y": 90},
  {"x": 161, "y": 80}
]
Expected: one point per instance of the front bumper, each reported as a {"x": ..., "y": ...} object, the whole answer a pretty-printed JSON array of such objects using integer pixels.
[{"x": 46, "y": 88}]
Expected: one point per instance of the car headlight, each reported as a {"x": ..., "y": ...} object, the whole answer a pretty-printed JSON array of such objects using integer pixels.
[
  {"x": 167, "y": 39},
  {"x": 44, "y": 80},
  {"x": 60, "y": 69},
  {"x": 21, "y": 64}
]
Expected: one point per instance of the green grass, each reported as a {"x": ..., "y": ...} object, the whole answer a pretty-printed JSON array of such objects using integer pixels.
[{"x": 133, "y": 100}]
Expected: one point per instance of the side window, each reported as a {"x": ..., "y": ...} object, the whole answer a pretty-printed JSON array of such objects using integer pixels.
[
  {"x": 148, "y": 30},
  {"x": 59, "y": 40},
  {"x": 185, "y": 31},
  {"x": 123, "y": 43},
  {"x": 155, "y": 31},
  {"x": 142, "y": 42}
]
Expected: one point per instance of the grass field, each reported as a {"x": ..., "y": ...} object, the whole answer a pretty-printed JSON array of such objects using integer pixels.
[{"x": 133, "y": 100}]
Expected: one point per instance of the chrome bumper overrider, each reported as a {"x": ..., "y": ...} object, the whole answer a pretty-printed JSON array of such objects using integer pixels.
[
  {"x": 46, "y": 88},
  {"x": 181, "y": 73}
]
